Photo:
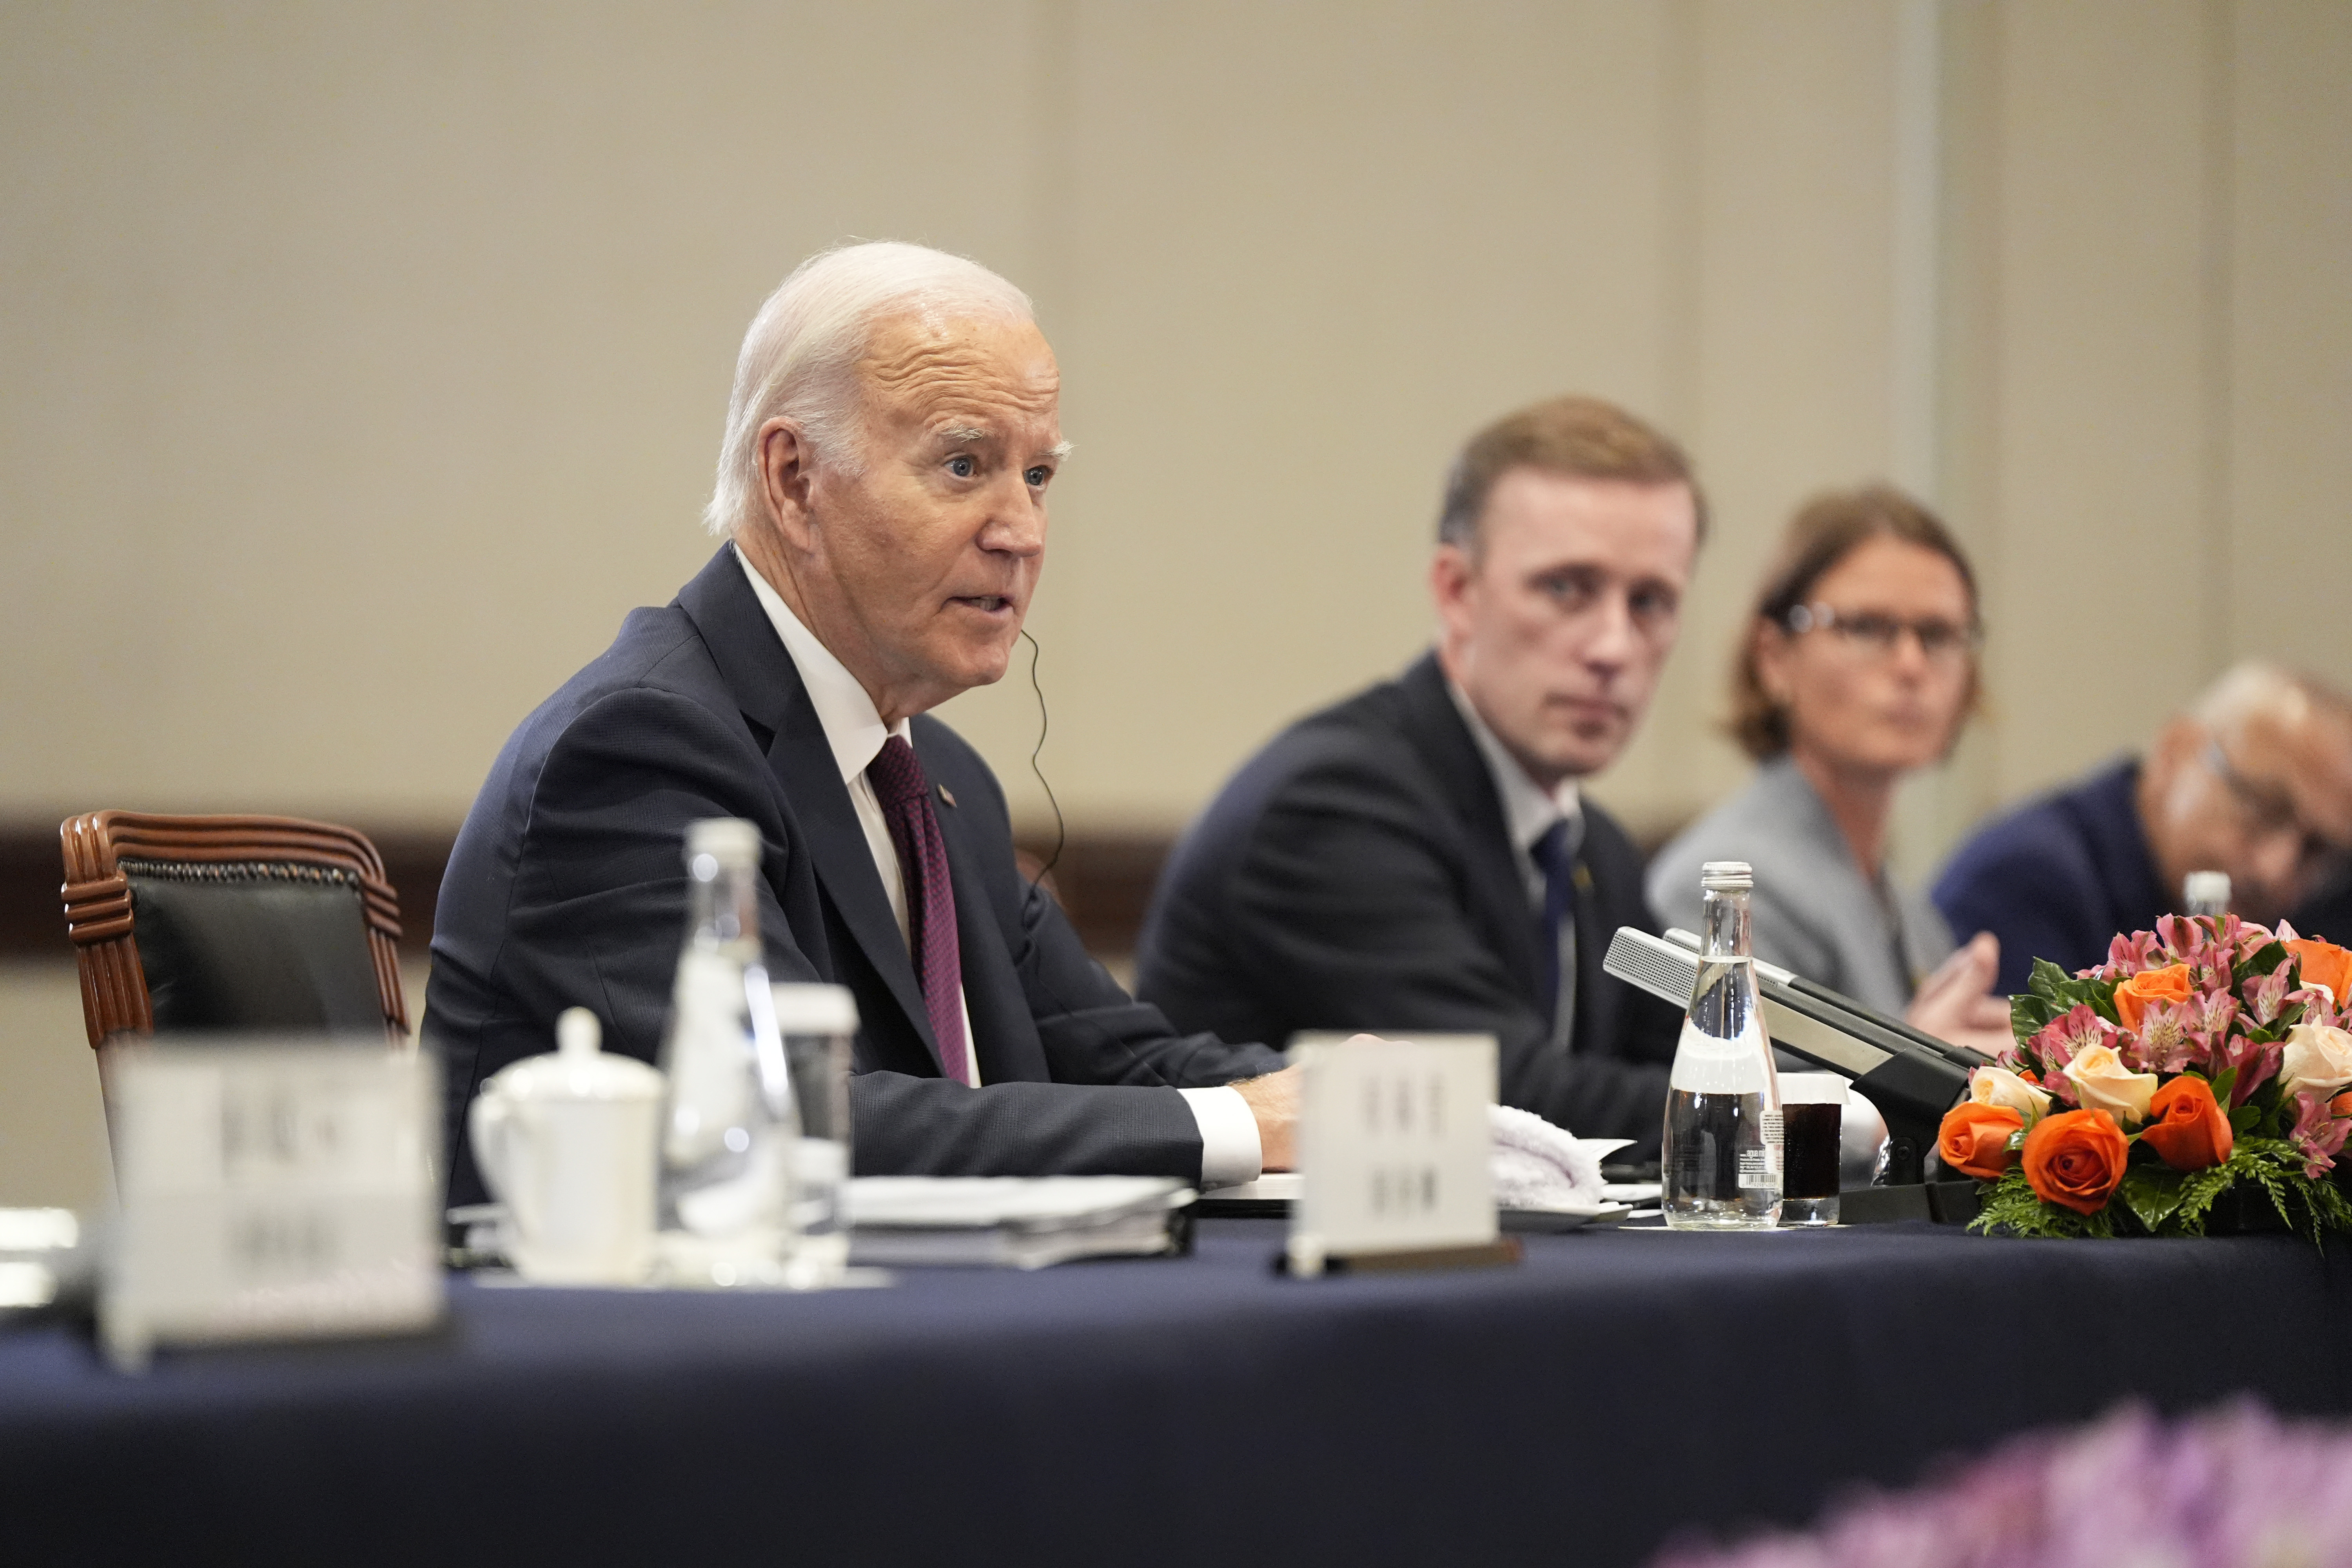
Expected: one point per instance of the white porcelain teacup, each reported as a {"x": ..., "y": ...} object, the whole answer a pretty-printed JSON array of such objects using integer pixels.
[{"x": 566, "y": 1141}]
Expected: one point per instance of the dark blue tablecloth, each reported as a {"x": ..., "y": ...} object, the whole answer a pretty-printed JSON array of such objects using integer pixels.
[{"x": 1577, "y": 1409}]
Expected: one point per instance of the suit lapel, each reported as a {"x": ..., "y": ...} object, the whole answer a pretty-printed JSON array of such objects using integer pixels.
[
  {"x": 845, "y": 864},
  {"x": 768, "y": 689},
  {"x": 1498, "y": 886}
]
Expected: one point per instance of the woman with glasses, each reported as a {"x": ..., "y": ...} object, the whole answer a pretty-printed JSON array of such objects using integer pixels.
[{"x": 1859, "y": 668}]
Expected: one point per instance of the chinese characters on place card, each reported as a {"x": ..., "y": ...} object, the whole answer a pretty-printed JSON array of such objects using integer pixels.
[
  {"x": 1395, "y": 1145},
  {"x": 270, "y": 1191}
]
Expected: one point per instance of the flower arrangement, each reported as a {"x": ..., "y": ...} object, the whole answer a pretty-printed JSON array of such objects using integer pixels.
[
  {"x": 2203, "y": 1054},
  {"x": 2235, "y": 1488}
]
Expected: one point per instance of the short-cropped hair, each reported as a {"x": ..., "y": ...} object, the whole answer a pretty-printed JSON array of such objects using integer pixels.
[
  {"x": 1580, "y": 438},
  {"x": 1826, "y": 530},
  {"x": 800, "y": 356}
]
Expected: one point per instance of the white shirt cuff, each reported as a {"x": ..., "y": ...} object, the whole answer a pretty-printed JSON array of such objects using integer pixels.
[{"x": 1229, "y": 1153}]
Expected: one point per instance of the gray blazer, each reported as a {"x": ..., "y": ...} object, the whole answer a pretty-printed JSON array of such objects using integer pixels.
[{"x": 1813, "y": 910}]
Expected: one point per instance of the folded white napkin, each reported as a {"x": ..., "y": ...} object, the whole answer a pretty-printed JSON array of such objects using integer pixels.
[{"x": 1537, "y": 1165}]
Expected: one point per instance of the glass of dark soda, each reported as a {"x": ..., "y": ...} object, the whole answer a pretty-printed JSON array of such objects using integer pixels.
[{"x": 1811, "y": 1108}]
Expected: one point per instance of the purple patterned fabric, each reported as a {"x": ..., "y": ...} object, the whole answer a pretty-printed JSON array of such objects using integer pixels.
[{"x": 898, "y": 783}]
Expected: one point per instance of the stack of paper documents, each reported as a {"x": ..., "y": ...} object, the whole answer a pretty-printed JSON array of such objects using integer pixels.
[{"x": 1009, "y": 1222}]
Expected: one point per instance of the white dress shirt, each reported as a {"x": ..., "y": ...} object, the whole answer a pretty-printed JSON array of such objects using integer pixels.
[
  {"x": 1529, "y": 812},
  {"x": 1230, "y": 1152}
]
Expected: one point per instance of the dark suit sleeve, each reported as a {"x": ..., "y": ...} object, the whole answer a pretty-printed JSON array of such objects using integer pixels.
[
  {"x": 2033, "y": 891},
  {"x": 903, "y": 1125},
  {"x": 599, "y": 911},
  {"x": 599, "y": 890},
  {"x": 1115, "y": 1063},
  {"x": 1347, "y": 904},
  {"x": 1111, "y": 1108}
]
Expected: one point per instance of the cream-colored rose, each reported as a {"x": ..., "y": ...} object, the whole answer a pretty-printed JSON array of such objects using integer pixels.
[
  {"x": 2102, "y": 1082},
  {"x": 2316, "y": 1057},
  {"x": 1998, "y": 1086}
]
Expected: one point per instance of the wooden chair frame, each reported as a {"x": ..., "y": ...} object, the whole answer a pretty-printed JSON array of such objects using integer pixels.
[{"x": 98, "y": 897}]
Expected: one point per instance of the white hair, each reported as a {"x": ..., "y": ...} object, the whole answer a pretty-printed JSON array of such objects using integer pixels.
[{"x": 800, "y": 357}]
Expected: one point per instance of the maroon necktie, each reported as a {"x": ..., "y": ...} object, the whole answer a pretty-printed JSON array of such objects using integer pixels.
[{"x": 905, "y": 796}]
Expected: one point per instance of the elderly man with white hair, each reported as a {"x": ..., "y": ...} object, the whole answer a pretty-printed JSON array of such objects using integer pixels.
[
  {"x": 881, "y": 486},
  {"x": 2253, "y": 781}
]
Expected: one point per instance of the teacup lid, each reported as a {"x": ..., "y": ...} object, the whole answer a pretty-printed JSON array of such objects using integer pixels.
[{"x": 577, "y": 1070}]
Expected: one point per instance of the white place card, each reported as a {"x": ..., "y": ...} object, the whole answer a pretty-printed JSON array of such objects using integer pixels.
[
  {"x": 1393, "y": 1147},
  {"x": 271, "y": 1191}
]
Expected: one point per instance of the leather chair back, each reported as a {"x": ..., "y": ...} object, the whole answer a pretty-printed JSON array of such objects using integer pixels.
[{"x": 247, "y": 923}]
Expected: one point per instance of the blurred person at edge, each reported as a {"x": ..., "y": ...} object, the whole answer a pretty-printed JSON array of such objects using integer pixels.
[
  {"x": 2255, "y": 779},
  {"x": 880, "y": 497},
  {"x": 1419, "y": 856},
  {"x": 1859, "y": 668}
]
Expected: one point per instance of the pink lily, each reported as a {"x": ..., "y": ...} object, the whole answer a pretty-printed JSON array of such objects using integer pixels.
[
  {"x": 2128, "y": 957},
  {"x": 2255, "y": 1065},
  {"x": 2167, "y": 1038},
  {"x": 2318, "y": 1004},
  {"x": 2063, "y": 1038},
  {"x": 2267, "y": 997},
  {"x": 2211, "y": 1017},
  {"x": 2205, "y": 946},
  {"x": 2318, "y": 1133}
]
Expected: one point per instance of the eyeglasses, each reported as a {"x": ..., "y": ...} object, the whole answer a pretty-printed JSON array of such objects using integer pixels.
[
  {"x": 1869, "y": 631},
  {"x": 2268, "y": 810}
]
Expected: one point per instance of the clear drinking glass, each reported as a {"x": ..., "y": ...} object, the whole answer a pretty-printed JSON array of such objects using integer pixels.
[
  {"x": 1812, "y": 1135},
  {"x": 1721, "y": 1163},
  {"x": 730, "y": 1128},
  {"x": 819, "y": 1026}
]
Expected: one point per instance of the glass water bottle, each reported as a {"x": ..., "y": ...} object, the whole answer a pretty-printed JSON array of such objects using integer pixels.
[
  {"x": 1721, "y": 1164},
  {"x": 2205, "y": 893},
  {"x": 730, "y": 1130}
]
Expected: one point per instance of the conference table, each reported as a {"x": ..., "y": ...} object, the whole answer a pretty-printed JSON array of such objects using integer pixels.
[{"x": 1616, "y": 1390}]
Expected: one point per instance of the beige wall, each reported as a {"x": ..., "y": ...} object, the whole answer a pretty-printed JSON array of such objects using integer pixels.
[{"x": 363, "y": 364}]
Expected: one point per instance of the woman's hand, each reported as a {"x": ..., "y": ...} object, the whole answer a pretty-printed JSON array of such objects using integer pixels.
[{"x": 1955, "y": 1004}]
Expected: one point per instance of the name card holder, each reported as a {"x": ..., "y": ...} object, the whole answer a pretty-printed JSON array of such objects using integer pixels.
[
  {"x": 1395, "y": 1155},
  {"x": 275, "y": 1190}
]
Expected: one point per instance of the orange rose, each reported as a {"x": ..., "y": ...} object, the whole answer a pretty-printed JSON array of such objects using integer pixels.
[
  {"x": 1974, "y": 1139},
  {"x": 2325, "y": 964},
  {"x": 2167, "y": 984},
  {"x": 2342, "y": 1104},
  {"x": 2186, "y": 1127},
  {"x": 2075, "y": 1159}
]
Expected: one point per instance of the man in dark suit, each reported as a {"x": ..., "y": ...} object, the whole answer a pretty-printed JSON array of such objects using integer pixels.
[
  {"x": 1419, "y": 857},
  {"x": 892, "y": 433}
]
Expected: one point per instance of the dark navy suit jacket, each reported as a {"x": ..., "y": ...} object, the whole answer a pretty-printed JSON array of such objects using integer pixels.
[
  {"x": 2059, "y": 878},
  {"x": 1358, "y": 874},
  {"x": 567, "y": 888},
  {"x": 2327, "y": 914}
]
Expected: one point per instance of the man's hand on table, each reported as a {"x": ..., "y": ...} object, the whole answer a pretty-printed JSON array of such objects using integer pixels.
[
  {"x": 1274, "y": 1100},
  {"x": 1955, "y": 1003}
]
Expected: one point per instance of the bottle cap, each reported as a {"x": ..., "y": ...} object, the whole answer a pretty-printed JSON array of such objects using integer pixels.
[
  {"x": 1726, "y": 876},
  {"x": 2200, "y": 889},
  {"x": 815, "y": 1010},
  {"x": 726, "y": 838}
]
